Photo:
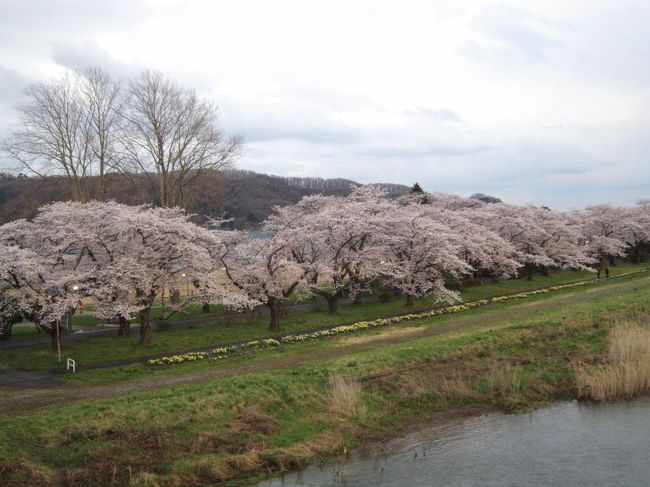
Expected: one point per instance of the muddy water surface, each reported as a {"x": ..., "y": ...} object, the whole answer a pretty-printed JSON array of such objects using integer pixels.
[{"x": 569, "y": 444}]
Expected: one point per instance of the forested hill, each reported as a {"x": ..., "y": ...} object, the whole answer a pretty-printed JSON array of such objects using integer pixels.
[
  {"x": 245, "y": 196},
  {"x": 250, "y": 196}
]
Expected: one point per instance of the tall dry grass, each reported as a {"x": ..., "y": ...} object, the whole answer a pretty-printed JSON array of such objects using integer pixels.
[
  {"x": 629, "y": 341},
  {"x": 504, "y": 381},
  {"x": 345, "y": 397},
  {"x": 628, "y": 372}
]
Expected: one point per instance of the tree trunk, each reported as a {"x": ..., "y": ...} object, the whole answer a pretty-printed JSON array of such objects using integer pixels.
[
  {"x": 356, "y": 299},
  {"x": 602, "y": 265},
  {"x": 175, "y": 296},
  {"x": 5, "y": 330},
  {"x": 125, "y": 326},
  {"x": 410, "y": 299},
  {"x": 205, "y": 307},
  {"x": 275, "y": 307},
  {"x": 251, "y": 316},
  {"x": 145, "y": 328},
  {"x": 68, "y": 319},
  {"x": 102, "y": 179},
  {"x": 529, "y": 272},
  {"x": 332, "y": 303}
]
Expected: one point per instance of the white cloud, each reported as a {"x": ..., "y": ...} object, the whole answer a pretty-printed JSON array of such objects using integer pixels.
[{"x": 543, "y": 102}]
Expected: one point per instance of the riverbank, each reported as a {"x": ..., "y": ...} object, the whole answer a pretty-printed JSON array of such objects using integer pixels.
[{"x": 237, "y": 428}]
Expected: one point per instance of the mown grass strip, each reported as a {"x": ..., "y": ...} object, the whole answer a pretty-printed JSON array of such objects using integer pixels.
[{"x": 255, "y": 345}]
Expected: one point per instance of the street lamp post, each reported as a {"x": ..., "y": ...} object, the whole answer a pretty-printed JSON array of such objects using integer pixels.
[
  {"x": 58, "y": 338},
  {"x": 68, "y": 321},
  {"x": 187, "y": 286}
]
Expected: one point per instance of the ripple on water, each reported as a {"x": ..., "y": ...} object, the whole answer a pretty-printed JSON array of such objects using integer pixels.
[{"x": 568, "y": 444}]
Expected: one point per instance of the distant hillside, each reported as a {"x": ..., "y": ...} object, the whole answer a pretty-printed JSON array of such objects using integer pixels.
[
  {"x": 244, "y": 196},
  {"x": 250, "y": 196}
]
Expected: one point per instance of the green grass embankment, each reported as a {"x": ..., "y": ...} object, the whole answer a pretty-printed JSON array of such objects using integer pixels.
[{"x": 280, "y": 414}]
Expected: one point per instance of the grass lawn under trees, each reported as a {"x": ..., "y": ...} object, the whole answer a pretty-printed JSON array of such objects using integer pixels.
[{"x": 105, "y": 349}]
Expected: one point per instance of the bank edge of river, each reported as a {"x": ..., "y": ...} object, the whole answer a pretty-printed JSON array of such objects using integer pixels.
[{"x": 516, "y": 382}]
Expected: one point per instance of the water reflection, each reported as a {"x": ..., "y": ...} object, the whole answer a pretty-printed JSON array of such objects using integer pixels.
[{"x": 569, "y": 444}]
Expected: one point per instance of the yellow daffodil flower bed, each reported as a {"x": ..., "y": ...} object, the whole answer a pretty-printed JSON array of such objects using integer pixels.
[{"x": 223, "y": 352}]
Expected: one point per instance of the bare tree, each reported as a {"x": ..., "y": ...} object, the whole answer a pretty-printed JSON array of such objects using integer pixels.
[
  {"x": 173, "y": 137},
  {"x": 68, "y": 127},
  {"x": 104, "y": 103},
  {"x": 82, "y": 126},
  {"x": 53, "y": 134}
]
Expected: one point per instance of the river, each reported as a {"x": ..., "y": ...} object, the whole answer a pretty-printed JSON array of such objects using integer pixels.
[{"x": 569, "y": 444}]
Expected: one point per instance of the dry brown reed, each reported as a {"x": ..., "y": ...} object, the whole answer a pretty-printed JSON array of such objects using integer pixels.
[
  {"x": 628, "y": 372},
  {"x": 345, "y": 397},
  {"x": 504, "y": 381}
]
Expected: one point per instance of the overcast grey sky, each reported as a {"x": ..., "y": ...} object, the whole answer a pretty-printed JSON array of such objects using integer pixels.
[{"x": 539, "y": 102}]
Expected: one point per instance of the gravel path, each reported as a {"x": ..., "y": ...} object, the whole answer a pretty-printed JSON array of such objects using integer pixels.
[{"x": 27, "y": 379}]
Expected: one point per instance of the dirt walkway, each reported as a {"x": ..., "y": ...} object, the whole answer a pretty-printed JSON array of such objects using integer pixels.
[{"x": 27, "y": 400}]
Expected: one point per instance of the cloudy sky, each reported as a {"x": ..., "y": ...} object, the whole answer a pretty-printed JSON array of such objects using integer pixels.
[{"x": 539, "y": 102}]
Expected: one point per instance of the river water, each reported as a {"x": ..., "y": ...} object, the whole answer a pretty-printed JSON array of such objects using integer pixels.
[{"x": 570, "y": 444}]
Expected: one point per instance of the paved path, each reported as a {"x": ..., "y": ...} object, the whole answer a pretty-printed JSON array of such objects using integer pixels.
[
  {"x": 27, "y": 379},
  {"x": 26, "y": 400}
]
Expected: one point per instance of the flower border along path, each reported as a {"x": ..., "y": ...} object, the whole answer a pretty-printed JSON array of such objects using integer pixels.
[{"x": 228, "y": 351}]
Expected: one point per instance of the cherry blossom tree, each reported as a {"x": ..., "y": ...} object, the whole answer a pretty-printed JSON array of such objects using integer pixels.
[
  {"x": 420, "y": 254},
  {"x": 126, "y": 257},
  {"x": 440, "y": 245},
  {"x": 602, "y": 229},
  {"x": 542, "y": 237},
  {"x": 264, "y": 270},
  {"x": 480, "y": 247},
  {"x": 15, "y": 277},
  {"x": 122, "y": 256},
  {"x": 146, "y": 251},
  {"x": 637, "y": 229},
  {"x": 38, "y": 276},
  {"x": 335, "y": 239}
]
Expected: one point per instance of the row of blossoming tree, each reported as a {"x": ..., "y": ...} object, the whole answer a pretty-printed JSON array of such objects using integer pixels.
[{"x": 124, "y": 257}]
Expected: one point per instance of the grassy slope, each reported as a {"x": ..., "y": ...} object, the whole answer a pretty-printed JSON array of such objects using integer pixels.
[
  {"x": 238, "y": 427},
  {"x": 99, "y": 350},
  {"x": 466, "y": 320}
]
